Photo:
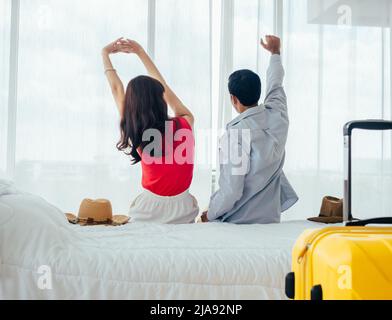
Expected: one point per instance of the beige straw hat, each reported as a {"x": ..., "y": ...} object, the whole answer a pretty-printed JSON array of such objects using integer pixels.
[{"x": 96, "y": 212}]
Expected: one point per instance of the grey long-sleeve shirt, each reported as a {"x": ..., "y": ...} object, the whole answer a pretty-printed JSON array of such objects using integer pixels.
[{"x": 253, "y": 188}]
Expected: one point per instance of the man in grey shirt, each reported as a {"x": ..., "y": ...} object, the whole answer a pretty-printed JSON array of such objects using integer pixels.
[{"x": 254, "y": 190}]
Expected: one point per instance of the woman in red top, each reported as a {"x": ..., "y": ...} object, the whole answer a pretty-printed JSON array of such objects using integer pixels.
[{"x": 164, "y": 145}]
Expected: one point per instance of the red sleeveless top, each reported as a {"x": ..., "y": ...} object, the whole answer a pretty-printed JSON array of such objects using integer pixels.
[{"x": 172, "y": 173}]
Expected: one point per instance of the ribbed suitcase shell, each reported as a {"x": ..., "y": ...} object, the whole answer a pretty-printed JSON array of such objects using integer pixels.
[{"x": 343, "y": 263}]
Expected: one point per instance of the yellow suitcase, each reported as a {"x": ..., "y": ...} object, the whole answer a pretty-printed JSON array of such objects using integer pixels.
[
  {"x": 352, "y": 262},
  {"x": 342, "y": 263}
]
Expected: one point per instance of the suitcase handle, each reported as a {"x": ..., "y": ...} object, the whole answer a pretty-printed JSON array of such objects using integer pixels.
[
  {"x": 378, "y": 125},
  {"x": 364, "y": 223}
]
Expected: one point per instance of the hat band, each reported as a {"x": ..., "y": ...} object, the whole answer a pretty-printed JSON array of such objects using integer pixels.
[{"x": 93, "y": 222}]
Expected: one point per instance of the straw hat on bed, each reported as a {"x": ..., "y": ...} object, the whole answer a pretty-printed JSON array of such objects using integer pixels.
[{"x": 96, "y": 212}]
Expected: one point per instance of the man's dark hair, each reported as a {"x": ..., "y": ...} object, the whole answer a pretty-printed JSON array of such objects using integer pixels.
[{"x": 246, "y": 86}]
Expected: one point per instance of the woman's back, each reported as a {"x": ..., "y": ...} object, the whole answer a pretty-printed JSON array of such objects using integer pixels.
[{"x": 171, "y": 174}]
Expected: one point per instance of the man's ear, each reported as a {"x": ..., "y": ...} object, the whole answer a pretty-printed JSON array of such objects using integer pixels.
[{"x": 234, "y": 100}]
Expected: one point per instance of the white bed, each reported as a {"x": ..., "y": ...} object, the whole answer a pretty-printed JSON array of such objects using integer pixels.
[{"x": 205, "y": 261}]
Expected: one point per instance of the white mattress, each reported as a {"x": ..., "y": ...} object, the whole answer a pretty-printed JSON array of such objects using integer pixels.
[{"x": 204, "y": 261}]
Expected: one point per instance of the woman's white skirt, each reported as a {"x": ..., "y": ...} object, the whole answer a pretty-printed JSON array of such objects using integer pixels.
[{"x": 151, "y": 208}]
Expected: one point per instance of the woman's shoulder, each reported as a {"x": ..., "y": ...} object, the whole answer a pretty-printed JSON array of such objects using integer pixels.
[{"x": 182, "y": 123}]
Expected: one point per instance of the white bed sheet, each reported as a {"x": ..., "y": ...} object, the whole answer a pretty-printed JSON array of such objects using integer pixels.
[{"x": 136, "y": 261}]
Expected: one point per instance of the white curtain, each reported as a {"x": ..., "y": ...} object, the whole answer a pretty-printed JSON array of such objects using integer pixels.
[
  {"x": 67, "y": 127},
  {"x": 67, "y": 124},
  {"x": 5, "y": 10},
  {"x": 334, "y": 74}
]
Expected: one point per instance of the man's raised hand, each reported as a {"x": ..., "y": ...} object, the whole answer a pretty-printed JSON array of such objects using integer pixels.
[{"x": 272, "y": 44}]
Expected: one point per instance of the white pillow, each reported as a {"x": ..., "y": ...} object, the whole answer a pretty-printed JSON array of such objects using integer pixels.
[
  {"x": 7, "y": 188},
  {"x": 30, "y": 210}
]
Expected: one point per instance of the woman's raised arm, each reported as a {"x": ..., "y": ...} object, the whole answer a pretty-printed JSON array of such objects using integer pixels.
[
  {"x": 180, "y": 110},
  {"x": 115, "y": 82}
]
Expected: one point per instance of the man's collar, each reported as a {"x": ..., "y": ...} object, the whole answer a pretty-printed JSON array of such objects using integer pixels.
[{"x": 248, "y": 113}]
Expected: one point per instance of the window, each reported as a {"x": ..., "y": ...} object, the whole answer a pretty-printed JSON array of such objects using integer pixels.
[
  {"x": 66, "y": 129},
  {"x": 66, "y": 124},
  {"x": 335, "y": 74}
]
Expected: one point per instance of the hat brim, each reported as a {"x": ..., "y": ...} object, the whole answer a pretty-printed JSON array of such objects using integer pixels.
[
  {"x": 327, "y": 220},
  {"x": 117, "y": 220}
]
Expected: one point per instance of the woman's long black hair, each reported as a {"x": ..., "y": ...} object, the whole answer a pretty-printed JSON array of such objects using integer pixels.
[{"x": 145, "y": 108}]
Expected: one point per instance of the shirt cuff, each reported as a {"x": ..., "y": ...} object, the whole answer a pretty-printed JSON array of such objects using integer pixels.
[
  {"x": 213, "y": 214},
  {"x": 210, "y": 216},
  {"x": 276, "y": 58}
]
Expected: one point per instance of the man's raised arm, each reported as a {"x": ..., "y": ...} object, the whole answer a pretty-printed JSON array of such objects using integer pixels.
[{"x": 275, "y": 95}]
